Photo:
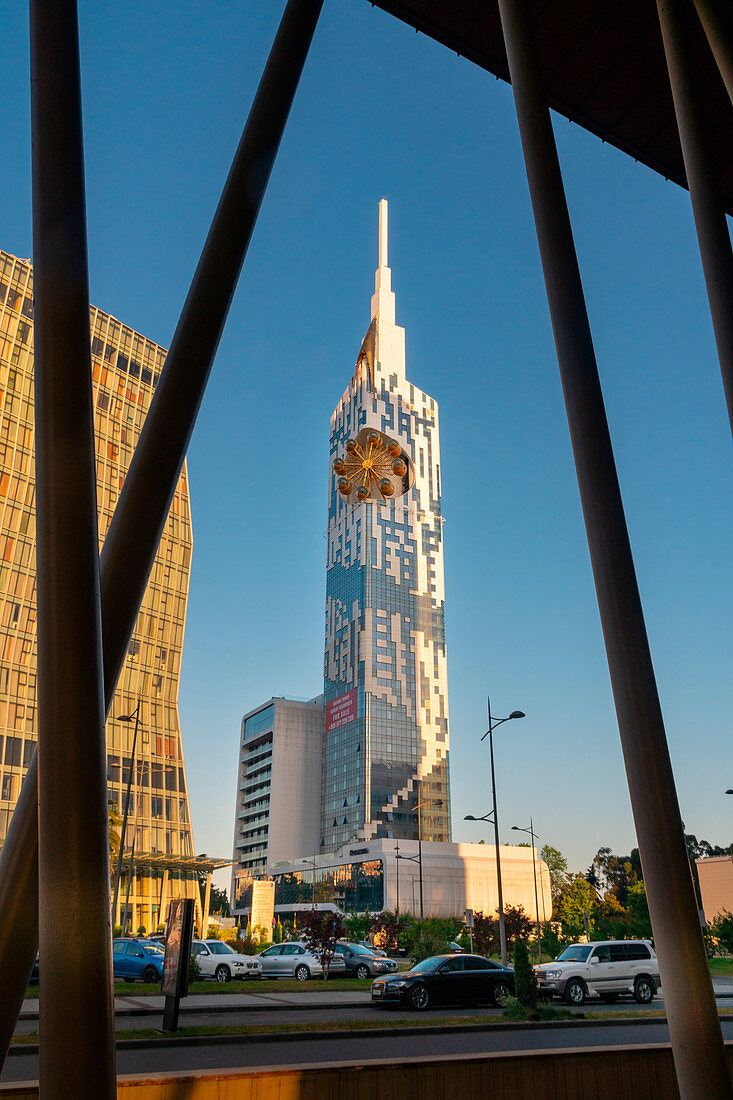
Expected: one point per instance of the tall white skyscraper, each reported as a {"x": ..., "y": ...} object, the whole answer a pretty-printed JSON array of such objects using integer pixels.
[{"x": 385, "y": 680}]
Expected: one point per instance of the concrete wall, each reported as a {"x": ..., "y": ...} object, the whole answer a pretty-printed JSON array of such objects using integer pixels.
[
  {"x": 295, "y": 796},
  {"x": 716, "y": 885},
  {"x": 646, "y": 1073}
]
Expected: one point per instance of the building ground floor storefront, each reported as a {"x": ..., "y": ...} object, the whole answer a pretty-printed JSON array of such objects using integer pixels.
[{"x": 383, "y": 874}]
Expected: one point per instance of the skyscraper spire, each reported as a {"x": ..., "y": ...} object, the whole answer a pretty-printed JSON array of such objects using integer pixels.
[
  {"x": 383, "y": 303},
  {"x": 383, "y": 214}
]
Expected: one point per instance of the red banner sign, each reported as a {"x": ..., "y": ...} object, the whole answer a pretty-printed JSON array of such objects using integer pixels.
[{"x": 341, "y": 710}]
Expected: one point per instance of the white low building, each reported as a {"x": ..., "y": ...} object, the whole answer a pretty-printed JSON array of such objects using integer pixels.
[{"x": 455, "y": 877}]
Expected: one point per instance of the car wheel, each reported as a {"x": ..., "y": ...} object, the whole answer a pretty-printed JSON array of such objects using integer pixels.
[
  {"x": 150, "y": 975},
  {"x": 575, "y": 992},
  {"x": 302, "y": 973},
  {"x": 609, "y": 998},
  {"x": 362, "y": 972},
  {"x": 643, "y": 991},
  {"x": 418, "y": 997},
  {"x": 223, "y": 974},
  {"x": 501, "y": 992}
]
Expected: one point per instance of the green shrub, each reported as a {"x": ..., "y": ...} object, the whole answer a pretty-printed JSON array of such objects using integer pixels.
[
  {"x": 116, "y": 931},
  {"x": 525, "y": 979},
  {"x": 194, "y": 970},
  {"x": 721, "y": 930},
  {"x": 141, "y": 930}
]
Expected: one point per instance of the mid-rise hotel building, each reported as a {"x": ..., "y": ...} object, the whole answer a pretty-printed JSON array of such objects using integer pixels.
[{"x": 125, "y": 369}]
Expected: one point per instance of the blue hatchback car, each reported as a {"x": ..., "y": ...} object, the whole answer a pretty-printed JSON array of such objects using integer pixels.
[{"x": 138, "y": 960}]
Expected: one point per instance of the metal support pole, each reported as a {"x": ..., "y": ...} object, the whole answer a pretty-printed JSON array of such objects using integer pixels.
[
  {"x": 688, "y": 995},
  {"x": 716, "y": 20},
  {"x": 713, "y": 237},
  {"x": 397, "y": 867},
  {"x": 130, "y": 873},
  {"x": 419, "y": 854},
  {"x": 76, "y": 1025},
  {"x": 123, "y": 831},
  {"x": 207, "y": 903},
  {"x": 163, "y": 898},
  {"x": 502, "y": 920},
  {"x": 536, "y": 896},
  {"x": 131, "y": 544}
]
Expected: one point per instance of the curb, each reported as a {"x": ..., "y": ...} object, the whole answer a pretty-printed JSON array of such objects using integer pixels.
[{"x": 368, "y": 1033}]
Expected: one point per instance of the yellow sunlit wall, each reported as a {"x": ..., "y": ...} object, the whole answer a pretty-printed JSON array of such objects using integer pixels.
[{"x": 125, "y": 370}]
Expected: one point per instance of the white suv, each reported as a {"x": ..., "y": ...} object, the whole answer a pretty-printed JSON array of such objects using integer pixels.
[
  {"x": 604, "y": 970},
  {"x": 217, "y": 960}
]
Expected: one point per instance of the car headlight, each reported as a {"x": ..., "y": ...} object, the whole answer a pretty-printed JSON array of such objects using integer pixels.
[
  {"x": 553, "y": 974},
  {"x": 396, "y": 985}
]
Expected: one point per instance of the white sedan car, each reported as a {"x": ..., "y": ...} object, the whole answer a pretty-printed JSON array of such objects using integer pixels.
[{"x": 218, "y": 960}]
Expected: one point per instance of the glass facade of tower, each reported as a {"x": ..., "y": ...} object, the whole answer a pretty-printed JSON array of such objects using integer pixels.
[
  {"x": 385, "y": 682},
  {"x": 125, "y": 369}
]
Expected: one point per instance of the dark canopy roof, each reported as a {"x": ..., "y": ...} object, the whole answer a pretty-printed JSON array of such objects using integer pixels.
[{"x": 604, "y": 68}]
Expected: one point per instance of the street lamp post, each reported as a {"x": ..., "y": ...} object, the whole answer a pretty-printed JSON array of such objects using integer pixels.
[
  {"x": 533, "y": 834},
  {"x": 397, "y": 858},
  {"x": 493, "y": 723},
  {"x": 135, "y": 716}
]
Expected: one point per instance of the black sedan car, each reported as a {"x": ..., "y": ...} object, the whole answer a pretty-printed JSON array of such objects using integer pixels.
[{"x": 446, "y": 979}]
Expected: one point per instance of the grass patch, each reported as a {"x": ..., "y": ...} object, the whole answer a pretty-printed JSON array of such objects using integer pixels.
[
  {"x": 721, "y": 968},
  {"x": 543, "y": 1010}
]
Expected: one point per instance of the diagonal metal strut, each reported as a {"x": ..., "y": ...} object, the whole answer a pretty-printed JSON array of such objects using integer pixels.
[{"x": 132, "y": 541}]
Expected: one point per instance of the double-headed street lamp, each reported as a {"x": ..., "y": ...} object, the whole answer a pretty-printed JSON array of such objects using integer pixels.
[
  {"x": 533, "y": 834},
  {"x": 493, "y": 723},
  {"x": 134, "y": 717}
]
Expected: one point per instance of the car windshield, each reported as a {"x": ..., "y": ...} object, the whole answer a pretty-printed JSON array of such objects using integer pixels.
[
  {"x": 578, "y": 952},
  {"x": 152, "y": 949},
  {"x": 220, "y": 949},
  {"x": 359, "y": 950},
  {"x": 427, "y": 966}
]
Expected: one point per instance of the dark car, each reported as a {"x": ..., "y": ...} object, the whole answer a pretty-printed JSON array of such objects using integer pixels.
[
  {"x": 362, "y": 962},
  {"x": 446, "y": 979}
]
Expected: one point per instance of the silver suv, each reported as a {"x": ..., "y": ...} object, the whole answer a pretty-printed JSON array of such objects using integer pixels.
[{"x": 603, "y": 970}]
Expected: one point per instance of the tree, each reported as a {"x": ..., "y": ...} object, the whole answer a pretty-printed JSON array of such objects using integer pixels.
[
  {"x": 557, "y": 865},
  {"x": 358, "y": 926},
  {"x": 617, "y": 873},
  {"x": 640, "y": 924},
  {"x": 387, "y": 927},
  {"x": 321, "y": 932},
  {"x": 219, "y": 902},
  {"x": 485, "y": 934},
  {"x": 577, "y": 897},
  {"x": 114, "y": 821},
  {"x": 517, "y": 924}
]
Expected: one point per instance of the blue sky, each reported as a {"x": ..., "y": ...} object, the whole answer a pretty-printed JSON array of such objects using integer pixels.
[{"x": 382, "y": 111}]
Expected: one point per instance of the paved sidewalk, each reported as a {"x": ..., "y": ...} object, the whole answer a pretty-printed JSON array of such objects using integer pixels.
[
  {"x": 214, "y": 1002},
  {"x": 230, "y": 1002}
]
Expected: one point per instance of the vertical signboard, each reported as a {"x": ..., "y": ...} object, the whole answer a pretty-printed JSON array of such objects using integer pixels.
[
  {"x": 178, "y": 937},
  {"x": 263, "y": 905}
]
